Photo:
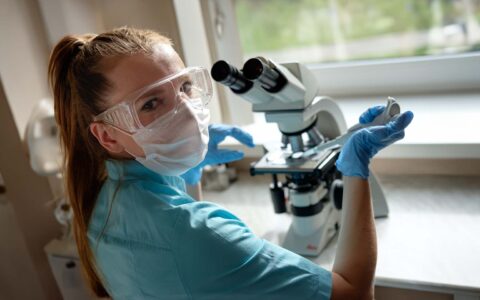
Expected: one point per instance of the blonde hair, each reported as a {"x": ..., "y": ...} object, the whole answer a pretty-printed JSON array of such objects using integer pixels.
[{"x": 75, "y": 76}]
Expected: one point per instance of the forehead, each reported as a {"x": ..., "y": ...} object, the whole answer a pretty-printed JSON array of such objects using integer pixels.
[{"x": 130, "y": 73}]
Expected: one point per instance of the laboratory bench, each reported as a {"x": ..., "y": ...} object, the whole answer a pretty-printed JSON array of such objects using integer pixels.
[{"x": 428, "y": 246}]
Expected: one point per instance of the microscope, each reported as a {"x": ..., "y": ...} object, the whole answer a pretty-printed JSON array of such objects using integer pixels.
[{"x": 313, "y": 131}]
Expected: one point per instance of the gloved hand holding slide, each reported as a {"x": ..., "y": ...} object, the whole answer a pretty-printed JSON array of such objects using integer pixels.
[{"x": 363, "y": 144}]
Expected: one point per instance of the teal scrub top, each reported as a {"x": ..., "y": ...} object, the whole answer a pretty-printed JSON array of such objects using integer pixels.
[{"x": 151, "y": 240}]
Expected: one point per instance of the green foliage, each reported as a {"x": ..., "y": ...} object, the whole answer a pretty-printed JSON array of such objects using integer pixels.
[
  {"x": 475, "y": 47},
  {"x": 267, "y": 25}
]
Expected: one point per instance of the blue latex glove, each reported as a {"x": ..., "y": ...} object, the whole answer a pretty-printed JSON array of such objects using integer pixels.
[
  {"x": 218, "y": 133},
  {"x": 370, "y": 114},
  {"x": 365, "y": 143}
]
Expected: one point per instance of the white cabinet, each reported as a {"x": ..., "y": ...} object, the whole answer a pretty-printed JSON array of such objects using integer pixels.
[{"x": 65, "y": 264}]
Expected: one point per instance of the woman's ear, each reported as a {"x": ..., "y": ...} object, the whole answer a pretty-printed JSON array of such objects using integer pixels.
[{"x": 106, "y": 137}]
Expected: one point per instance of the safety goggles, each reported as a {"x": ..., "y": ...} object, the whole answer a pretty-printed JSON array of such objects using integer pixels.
[{"x": 160, "y": 100}]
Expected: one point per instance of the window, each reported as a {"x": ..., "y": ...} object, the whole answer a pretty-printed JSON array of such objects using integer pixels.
[{"x": 314, "y": 31}]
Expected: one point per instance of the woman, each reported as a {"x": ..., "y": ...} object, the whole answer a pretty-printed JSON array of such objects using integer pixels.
[{"x": 132, "y": 119}]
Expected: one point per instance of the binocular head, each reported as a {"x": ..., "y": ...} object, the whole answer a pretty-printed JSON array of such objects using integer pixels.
[{"x": 259, "y": 81}]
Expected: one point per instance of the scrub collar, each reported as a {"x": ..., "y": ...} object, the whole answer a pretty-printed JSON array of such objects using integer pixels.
[{"x": 130, "y": 169}]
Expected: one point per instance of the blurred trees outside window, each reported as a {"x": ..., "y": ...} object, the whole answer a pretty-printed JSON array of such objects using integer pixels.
[{"x": 315, "y": 31}]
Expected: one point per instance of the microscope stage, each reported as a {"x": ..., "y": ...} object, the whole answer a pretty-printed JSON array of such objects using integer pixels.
[{"x": 285, "y": 162}]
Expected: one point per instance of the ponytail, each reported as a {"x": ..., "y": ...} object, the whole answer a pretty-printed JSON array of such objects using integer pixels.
[{"x": 84, "y": 158}]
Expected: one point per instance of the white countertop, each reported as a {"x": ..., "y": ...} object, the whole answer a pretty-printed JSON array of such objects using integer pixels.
[{"x": 430, "y": 241}]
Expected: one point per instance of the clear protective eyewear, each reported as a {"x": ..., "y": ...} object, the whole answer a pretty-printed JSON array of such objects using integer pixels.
[{"x": 160, "y": 100}]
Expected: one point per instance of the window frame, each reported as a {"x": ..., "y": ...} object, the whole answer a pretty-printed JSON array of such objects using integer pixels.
[{"x": 409, "y": 75}]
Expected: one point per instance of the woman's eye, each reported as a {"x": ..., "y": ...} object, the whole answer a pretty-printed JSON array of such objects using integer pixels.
[
  {"x": 150, "y": 105},
  {"x": 187, "y": 87}
]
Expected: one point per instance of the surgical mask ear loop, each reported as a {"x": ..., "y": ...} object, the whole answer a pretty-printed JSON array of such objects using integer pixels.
[
  {"x": 133, "y": 156},
  {"x": 130, "y": 135}
]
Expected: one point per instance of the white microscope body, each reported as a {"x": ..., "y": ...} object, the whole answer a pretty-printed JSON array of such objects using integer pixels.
[{"x": 288, "y": 94}]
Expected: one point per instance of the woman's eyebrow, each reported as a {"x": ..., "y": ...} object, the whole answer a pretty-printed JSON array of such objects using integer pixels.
[{"x": 185, "y": 77}]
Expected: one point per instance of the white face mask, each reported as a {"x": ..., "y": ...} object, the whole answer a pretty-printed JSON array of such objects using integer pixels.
[{"x": 181, "y": 145}]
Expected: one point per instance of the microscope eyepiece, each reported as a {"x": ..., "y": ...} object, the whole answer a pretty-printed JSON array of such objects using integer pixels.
[
  {"x": 230, "y": 76},
  {"x": 270, "y": 78}
]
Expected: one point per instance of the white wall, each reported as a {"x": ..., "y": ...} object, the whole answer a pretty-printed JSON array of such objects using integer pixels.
[
  {"x": 61, "y": 17},
  {"x": 158, "y": 15},
  {"x": 23, "y": 57}
]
